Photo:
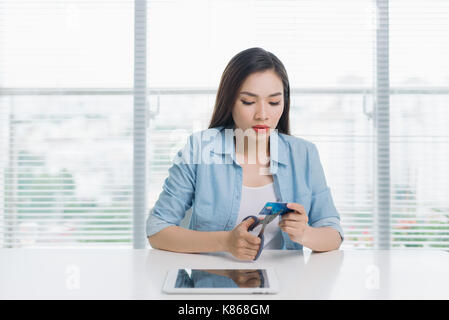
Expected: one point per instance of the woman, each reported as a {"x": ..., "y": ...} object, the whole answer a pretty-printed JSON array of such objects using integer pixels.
[{"x": 246, "y": 158}]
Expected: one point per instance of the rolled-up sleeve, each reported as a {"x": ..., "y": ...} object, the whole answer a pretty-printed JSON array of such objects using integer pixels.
[
  {"x": 322, "y": 210},
  {"x": 330, "y": 222},
  {"x": 177, "y": 192}
]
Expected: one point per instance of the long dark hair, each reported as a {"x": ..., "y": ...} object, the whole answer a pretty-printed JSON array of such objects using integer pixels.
[{"x": 238, "y": 69}]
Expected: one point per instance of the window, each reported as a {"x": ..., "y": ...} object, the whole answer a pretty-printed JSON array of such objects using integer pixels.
[
  {"x": 369, "y": 83},
  {"x": 419, "y": 113},
  {"x": 66, "y": 141}
]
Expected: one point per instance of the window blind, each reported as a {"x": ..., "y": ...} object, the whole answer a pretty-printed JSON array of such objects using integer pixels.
[
  {"x": 369, "y": 85},
  {"x": 66, "y": 114},
  {"x": 419, "y": 113}
]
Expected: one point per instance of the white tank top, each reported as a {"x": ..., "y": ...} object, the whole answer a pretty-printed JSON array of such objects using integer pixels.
[{"x": 252, "y": 201}]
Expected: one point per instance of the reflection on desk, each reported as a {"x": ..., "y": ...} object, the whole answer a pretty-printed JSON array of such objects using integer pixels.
[{"x": 220, "y": 278}]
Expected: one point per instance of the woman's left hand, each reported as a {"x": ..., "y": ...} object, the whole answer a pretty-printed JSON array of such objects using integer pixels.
[{"x": 295, "y": 223}]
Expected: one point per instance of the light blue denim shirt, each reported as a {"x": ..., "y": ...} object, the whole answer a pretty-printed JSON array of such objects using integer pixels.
[{"x": 206, "y": 177}]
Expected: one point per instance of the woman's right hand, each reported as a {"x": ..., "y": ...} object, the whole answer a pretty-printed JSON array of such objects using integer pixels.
[{"x": 242, "y": 244}]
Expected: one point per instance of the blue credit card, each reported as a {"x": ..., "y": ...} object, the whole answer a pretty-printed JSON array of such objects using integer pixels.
[{"x": 274, "y": 207}]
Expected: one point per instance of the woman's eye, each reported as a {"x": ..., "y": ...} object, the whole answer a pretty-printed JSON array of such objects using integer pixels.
[{"x": 250, "y": 102}]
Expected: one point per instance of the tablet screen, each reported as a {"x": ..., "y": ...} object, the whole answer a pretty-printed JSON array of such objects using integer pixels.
[{"x": 221, "y": 278}]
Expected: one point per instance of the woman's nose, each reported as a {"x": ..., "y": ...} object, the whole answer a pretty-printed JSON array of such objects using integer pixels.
[{"x": 261, "y": 112}]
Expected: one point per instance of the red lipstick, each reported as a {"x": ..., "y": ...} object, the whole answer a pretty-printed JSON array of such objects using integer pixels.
[{"x": 261, "y": 128}]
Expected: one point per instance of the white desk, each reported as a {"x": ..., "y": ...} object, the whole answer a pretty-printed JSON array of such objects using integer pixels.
[{"x": 139, "y": 274}]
